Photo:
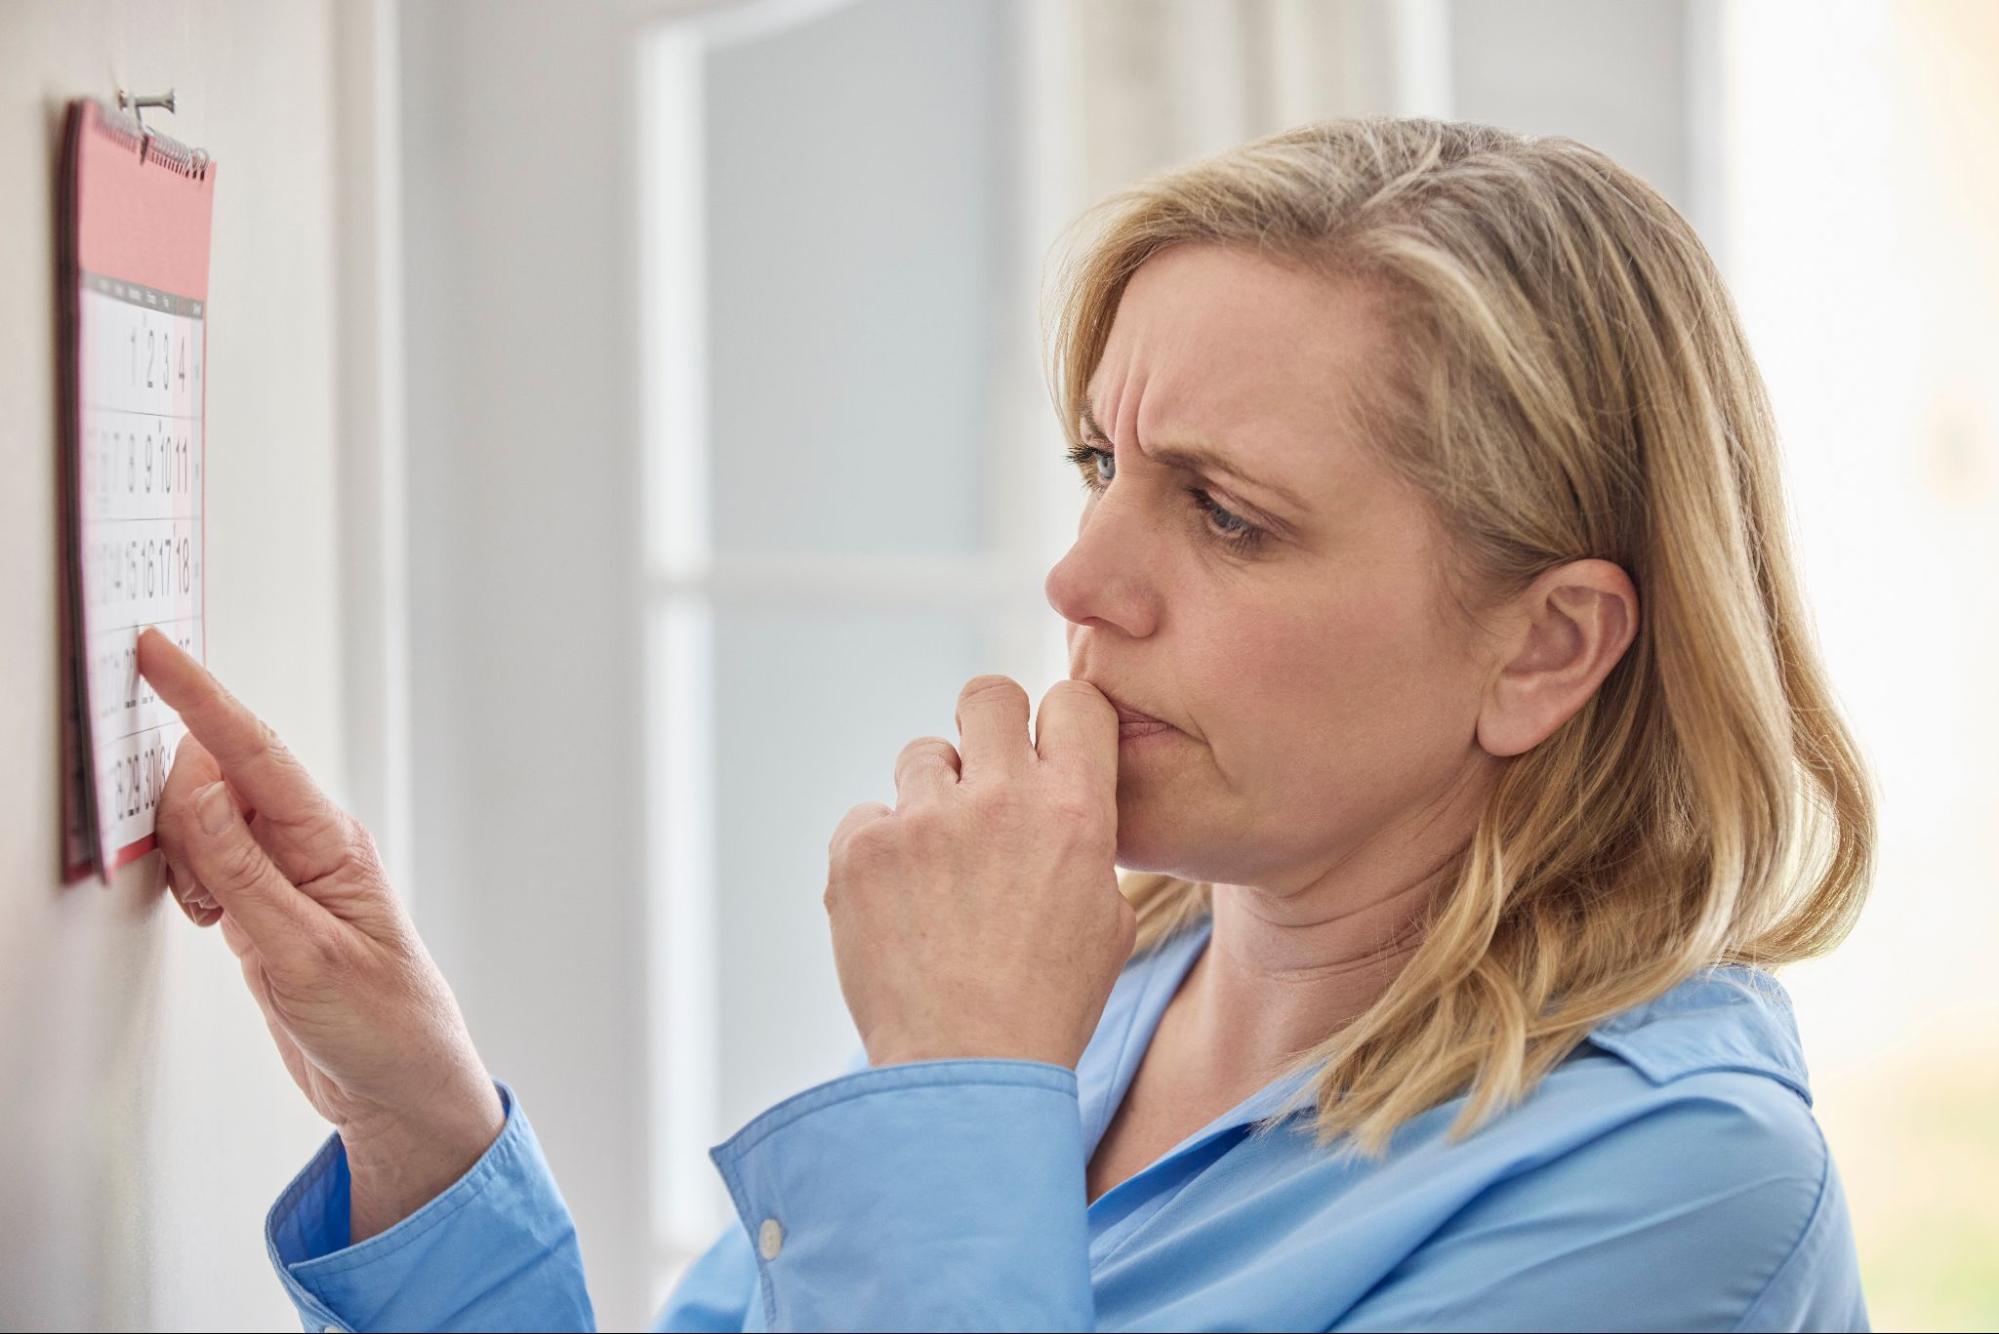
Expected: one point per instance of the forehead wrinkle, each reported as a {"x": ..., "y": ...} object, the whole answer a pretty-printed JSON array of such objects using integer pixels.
[
  {"x": 1183, "y": 448},
  {"x": 1211, "y": 352}
]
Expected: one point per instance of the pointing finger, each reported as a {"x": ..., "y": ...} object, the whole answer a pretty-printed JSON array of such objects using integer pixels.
[{"x": 256, "y": 762}]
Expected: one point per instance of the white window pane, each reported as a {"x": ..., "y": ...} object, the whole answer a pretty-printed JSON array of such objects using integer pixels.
[{"x": 854, "y": 224}]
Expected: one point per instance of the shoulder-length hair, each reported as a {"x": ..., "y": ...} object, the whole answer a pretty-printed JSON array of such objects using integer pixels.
[{"x": 1569, "y": 379}]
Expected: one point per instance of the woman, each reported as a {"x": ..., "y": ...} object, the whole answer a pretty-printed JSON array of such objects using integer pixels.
[{"x": 1436, "y": 648}]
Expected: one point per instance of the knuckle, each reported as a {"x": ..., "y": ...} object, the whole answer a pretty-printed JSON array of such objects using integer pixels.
[
  {"x": 264, "y": 741},
  {"x": 1080, "y": 809},
  {"x": 925, "y": 745},
  {"x": 921, "y": 756},
  {"x": 1081, "y": 817},
  {"x": 361, "y": 846},
  {"x": 241, "y": 862},
  {"x": 1002, "y": 807},
  {"x": 923, "y": 828},
  {"x": 857, "y": 820},
  {"x": 991, "y": 686},
  {"x": 328, "y": 953},
  {"x": 872, "y": 842}
]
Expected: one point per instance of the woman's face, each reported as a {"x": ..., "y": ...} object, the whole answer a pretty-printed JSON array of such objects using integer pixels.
[{"x": 1320, "y": 698}]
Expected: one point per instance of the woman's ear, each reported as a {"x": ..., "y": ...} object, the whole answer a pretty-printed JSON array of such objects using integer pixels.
[{"x": 1565, "y": 632}]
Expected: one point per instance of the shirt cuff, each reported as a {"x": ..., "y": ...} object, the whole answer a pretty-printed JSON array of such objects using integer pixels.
[
  {"x": 495, "y": 1249},
  {"x": 932, "y": 1195}
]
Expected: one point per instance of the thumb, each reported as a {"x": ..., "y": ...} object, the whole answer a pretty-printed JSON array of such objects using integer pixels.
[{"x": 240, "y": 876}]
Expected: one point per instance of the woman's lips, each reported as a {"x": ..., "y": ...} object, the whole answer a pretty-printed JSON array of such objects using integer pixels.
[
  {"x": 1133, "y": 723},
  {"x": 1130, "y": 723}
]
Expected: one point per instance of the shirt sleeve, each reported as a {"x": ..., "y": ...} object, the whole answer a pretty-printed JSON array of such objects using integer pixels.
[
  {"x": 933, "y": 1195},
  {"x": 1719, "y": 1209},
  {"x": 495, "y": 1250}
]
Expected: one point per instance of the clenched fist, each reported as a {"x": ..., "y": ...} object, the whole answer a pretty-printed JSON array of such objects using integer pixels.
[{"x": 981, "y": 916}]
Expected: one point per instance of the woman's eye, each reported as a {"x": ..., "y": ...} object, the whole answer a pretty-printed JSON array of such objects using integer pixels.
[
  {"x": 1099, "y": 469},
  {"x": 1099, "y": 465},
  {"x": 1231, "y": 528}
]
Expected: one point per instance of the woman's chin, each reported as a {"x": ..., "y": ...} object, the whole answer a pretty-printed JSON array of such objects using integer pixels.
[
  {"x": 1188, "y": 835},
  {"x": 1149, "y": 837}
]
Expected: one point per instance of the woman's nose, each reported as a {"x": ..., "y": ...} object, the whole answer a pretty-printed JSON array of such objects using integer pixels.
[{"x": 1103, "y": 579}]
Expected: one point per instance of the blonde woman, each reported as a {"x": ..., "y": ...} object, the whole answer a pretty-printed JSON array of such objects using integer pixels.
[{"x": 1437, "y": 654}]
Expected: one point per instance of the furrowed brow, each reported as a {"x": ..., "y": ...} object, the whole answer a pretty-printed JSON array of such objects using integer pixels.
[{"x": 1198, "y": 458}]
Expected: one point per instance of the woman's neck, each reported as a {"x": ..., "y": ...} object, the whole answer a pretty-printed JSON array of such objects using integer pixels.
[
  {"x": 1282, "y": 972},
  {"x": 1262, "y": 992}
]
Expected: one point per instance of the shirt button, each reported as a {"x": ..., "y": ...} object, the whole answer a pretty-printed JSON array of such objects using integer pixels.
[{"x": 770, "y": 1239}]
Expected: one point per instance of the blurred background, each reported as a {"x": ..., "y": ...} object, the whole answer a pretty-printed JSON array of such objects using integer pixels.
[{"x": 627, "y": 430}]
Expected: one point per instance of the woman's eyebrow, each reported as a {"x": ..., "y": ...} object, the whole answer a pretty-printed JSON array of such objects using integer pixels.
[{"x": 1196, "y": 457}]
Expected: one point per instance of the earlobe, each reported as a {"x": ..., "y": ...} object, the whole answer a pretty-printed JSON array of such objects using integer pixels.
[{"x": 1570, "y": 627}]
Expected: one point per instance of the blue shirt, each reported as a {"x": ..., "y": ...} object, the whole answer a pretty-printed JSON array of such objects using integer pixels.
[{"x": 1668, "y": 1175}]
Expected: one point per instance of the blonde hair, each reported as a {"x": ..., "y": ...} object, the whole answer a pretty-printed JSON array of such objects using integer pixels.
[{"x": 1568, "y": 379}]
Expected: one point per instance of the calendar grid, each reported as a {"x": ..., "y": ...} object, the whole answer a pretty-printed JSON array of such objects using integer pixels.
[{"x": 140, "y": 483}]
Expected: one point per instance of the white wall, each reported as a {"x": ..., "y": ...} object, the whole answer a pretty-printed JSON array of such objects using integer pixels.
[
  {"x": 145, "y": 1123},
  {"x": 1615, "y": 76}
]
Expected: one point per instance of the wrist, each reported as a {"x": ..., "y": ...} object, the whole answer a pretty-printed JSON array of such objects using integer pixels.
[{"x": 398, "y": 1164}]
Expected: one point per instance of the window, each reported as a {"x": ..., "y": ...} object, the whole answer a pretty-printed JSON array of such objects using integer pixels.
[{"x": 854, "y": 492}]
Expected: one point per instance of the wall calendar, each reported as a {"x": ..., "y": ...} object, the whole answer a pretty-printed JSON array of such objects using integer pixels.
[{"x": 133, "y": 294}]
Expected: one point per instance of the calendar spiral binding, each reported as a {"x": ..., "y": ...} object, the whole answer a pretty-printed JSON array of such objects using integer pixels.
[{"x": 151, "y": 146}]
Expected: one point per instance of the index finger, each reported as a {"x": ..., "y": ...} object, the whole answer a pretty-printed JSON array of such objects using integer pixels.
[
  {"x": 249, "y": 753},
  {"x": 1077, "y": 730}
]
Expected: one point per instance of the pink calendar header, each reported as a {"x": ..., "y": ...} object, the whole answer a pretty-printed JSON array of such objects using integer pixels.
[{"x": 143, "y": 219}]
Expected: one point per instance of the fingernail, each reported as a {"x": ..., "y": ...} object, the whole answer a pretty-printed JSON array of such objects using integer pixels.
[{"x": 213, "y": 809}]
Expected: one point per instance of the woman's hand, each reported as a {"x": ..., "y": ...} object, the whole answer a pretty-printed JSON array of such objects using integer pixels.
[
  {"x": 981, "y": 917},
  {"x": 362, "y": 1017}
]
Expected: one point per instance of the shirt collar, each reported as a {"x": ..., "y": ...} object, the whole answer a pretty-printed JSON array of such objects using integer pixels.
[
  {"x": 1131, "y": 1016},
  {"x": 1722, "y": 1018}
]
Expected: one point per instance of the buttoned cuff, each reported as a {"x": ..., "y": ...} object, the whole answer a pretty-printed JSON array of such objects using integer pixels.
[
  {"x": 932, "y": 1195},
  {"x": 495, "y": 1248}
]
